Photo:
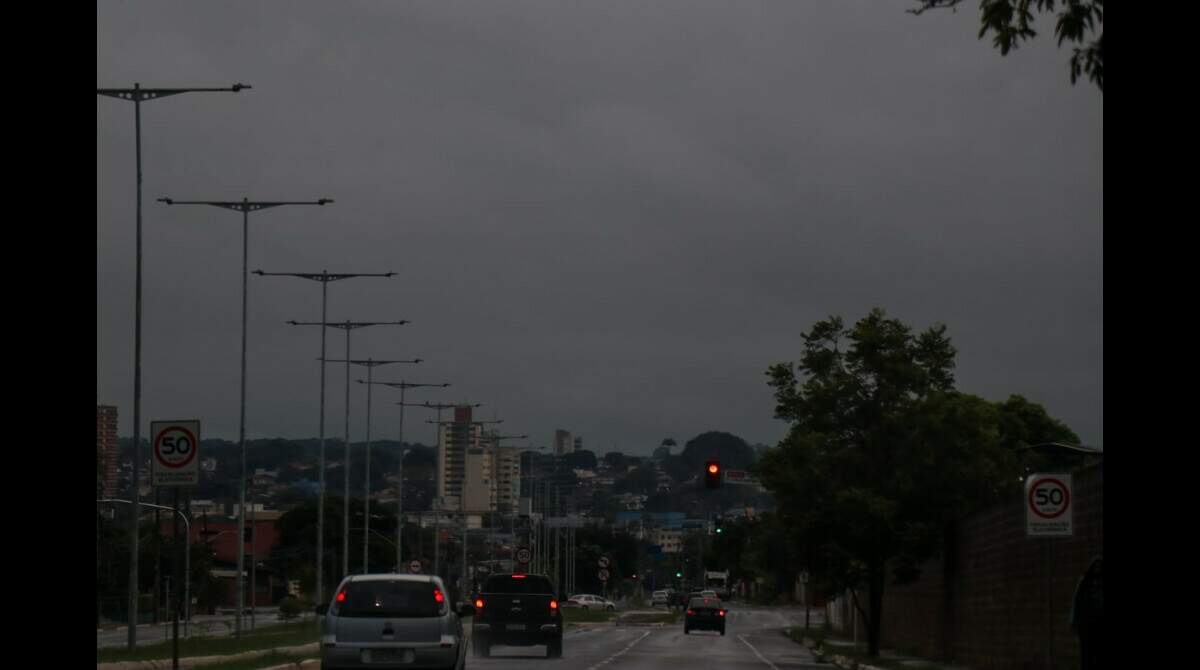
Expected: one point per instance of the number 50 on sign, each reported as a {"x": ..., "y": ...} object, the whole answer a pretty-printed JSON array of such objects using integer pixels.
[
  {"x": 173, "y": 449},
  {"x": 1048, "y": 505}
]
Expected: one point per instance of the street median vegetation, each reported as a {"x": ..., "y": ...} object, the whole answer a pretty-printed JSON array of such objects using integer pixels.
[{"x": 273, "y": 637}]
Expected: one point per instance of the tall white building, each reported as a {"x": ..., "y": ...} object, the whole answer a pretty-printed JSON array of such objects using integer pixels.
[
  {"x": 475, "y": 473},
  {"x": 455, "y": 440},
  {"x": 562, "y": 442}
]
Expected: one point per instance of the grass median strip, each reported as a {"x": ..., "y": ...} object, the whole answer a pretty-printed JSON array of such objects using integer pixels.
[
  {"x": 577, "y": 615},
  {"x": 288, "y": 635}
]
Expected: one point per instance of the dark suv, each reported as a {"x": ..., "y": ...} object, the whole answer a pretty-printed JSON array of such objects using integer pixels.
[
  {"x": 519, "y": 610},
  {"x": 704, "y": 614}
]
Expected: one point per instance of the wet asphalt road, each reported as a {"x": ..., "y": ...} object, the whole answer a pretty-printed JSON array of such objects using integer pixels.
[{"x": 752, "y": 641}]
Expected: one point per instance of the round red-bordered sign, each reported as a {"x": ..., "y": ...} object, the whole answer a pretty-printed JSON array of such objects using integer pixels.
[
  {"x": 158, "y": 445},
  {"x": 1066, "y": 502}
]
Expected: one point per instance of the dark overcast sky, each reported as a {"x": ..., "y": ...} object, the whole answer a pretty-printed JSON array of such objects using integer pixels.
[{"x": 609, "y": 217}]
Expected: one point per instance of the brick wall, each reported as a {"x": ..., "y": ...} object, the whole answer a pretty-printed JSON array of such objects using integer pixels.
[{"x": 1000, "y": 600}]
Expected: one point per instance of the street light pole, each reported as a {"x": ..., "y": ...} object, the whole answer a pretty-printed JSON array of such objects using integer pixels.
[
  {"x": 187, "y": 555},
  {"x": 324, "y": 277},
  {"x": 347, "y": 326},
  {"x": 495, "y": 442},
  {"x": 245, "y": 207},
  {"x": 370, "y": 364},
  {"x": 137, "y": 95},
  {"x": 402, "y": 385}
]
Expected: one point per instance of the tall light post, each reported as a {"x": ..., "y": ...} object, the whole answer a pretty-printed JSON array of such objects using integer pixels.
[
  {"x": 462, "y": 501},
  {"x": 370, "y": 364},
  {"x": 436, "y": 445},
  {"x": 187, "y": 554},
  {"x": 402, "y": 385},
  {"x": 245, "y": 207},
  {"x": 137, "y": 95},
  {"x": 324, "y": 277},
  {"x": 346, "y": 326},
  {"x": 495, "y": 440}
]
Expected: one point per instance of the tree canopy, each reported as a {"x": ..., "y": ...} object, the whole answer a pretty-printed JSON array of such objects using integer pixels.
[
  {"x": 1011, "y": 21},
  {"x": 731, "y": 450},
  {"x": 883, "y": 452}
]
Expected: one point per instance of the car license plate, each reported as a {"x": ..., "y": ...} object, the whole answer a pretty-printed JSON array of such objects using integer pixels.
[
  {"x": 514, "y": 626},
  {"x": 387, "y": 656}
]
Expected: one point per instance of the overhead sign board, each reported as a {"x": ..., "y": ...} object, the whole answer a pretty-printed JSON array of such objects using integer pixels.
[
  {"x": 173, "y": 448},
  {"x": 739, "y": 477},
  {"x": 1048, "y": 506}
]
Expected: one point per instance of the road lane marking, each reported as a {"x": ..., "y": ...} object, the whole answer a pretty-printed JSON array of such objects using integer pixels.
[
  {"x": 756, "y": 653},
  {"x": 612, "y": 658}
]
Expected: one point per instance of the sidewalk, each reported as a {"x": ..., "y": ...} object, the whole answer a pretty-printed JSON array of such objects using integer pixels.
[{"x": 843, "y": 653}]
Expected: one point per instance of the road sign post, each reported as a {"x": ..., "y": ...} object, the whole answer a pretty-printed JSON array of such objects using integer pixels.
[
  {"x": 524, "y": 555},
  {"x": 415, "y": 567},
  {"x": 174, "y": 447},
  {"x": 1048, "y": 509}
]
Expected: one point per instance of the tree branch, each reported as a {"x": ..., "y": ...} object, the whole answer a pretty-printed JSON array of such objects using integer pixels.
[{"x": 932, "y": 4}]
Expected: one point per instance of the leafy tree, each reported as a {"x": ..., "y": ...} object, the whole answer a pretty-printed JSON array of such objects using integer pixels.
[
  {"x": 582, "y": 460},
  {"x": 731, "y": 450},
  {"x": 615, "y": 459},
  {"x": 865, "y": 434},
  {"x": 1011, "y": 21}
]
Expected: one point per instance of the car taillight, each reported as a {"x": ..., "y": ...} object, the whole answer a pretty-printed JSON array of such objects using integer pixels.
[
  {"x": 721, "y": 612},
  {"x": 691, "y": 612},
  {"x": 553, "y": 604},
  {"x": 341, "y": 596},
  {"x": 479, "y": 603},
  {"x": 437, "y": 595},
  {"x": 518, "y": 576}
]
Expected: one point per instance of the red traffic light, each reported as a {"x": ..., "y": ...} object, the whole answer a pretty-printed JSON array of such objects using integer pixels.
[{"x": 712, "y": 474}]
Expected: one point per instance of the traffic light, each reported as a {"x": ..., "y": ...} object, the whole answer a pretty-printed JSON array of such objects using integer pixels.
[
  {"x": 712, "y": 474},
  {"x": 678, "y": 573},
  {"x": 718, "y": 524}
]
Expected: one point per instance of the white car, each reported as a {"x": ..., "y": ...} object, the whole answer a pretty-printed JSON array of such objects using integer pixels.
[
  {"x": 587, "y": 601},
  {"x": 660, "y": 598}
]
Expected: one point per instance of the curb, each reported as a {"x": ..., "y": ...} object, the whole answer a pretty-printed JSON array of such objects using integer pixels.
[
  {"x": 306, "y": 663},
  {"x": 200, "y": 661}
]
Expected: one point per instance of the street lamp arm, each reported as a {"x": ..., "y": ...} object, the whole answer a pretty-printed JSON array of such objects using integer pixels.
[
  {"x": 324, "y": 276},
  {"x": 140, "y": 94},
  {"x": 244, "y": 205}
]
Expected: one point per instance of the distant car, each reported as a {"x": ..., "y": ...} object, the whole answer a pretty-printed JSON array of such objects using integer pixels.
[
  {"x": 390, "y": 619},
  {"x": 660, "y": 598},
  {"x": 704, "y": 614},
  {"x": 587, "y": 601}
]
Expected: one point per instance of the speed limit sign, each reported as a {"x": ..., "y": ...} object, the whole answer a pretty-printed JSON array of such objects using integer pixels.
[
  {"x": 173, "y": 449},
  {"x": 1048, "y": 511}
]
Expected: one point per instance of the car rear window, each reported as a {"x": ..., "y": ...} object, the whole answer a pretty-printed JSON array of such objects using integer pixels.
[
  {"x": 525, "y": 584},
  {"x": 390, "y": 599},
  {"x": 704, "y": 604}
]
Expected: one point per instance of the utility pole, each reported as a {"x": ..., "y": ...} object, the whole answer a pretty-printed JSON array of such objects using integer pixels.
[
  {"x": 137, "y": 95},
  {"x": 245, "y": 207},
  {"x": 324, "y": 277}
]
